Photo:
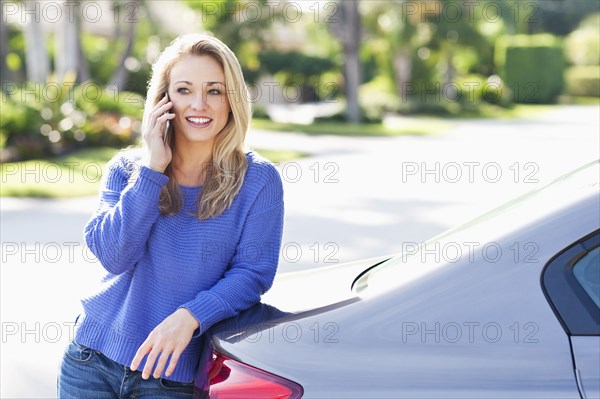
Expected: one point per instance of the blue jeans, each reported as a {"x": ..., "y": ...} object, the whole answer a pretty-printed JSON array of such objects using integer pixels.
[{"x": 86, "y": 373}]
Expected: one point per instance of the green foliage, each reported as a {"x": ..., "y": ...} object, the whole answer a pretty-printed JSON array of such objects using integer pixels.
[
  {"x": 19, "y": 128},
  {"x": 592, "y": 21},
  {"x": 476, "y": 89},
  {"x": 378, "y": 97},
  {"x": 15, "y": 59},
  {"x": 236, "y": 22},
  {"x": 441, "y": 51},
  {"x": 294, "y": 63},
  {"x": 99, "y": 50},
  {"x": 582, "y": 46},
  {"x": 558, "y": 17},
  {"x": 583, "y": 81},
  {"x": 41, "y": 120},
  {"x": 103, "y": 60},
  {"x": 532, "y": 66},
  {"x": 313, "y": 76}
]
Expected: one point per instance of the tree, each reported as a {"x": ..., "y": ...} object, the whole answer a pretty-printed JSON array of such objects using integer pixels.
[
  {"x": 242, "y": 24},
  {"x": 4, "y": 71},
  {"x": 559, "y": 17},
  {"x": 390, "y": 23},
  {"x": 66, "y": 54},
  {"x": 347, "y": 28},
  {"x": 453, "y": 34},
  {"x": 36, "y": 54},
  {"x": 119, "y": 78}
]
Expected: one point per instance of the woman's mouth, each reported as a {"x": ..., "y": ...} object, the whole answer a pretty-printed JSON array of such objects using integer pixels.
[{"x": 198, "y": 121}]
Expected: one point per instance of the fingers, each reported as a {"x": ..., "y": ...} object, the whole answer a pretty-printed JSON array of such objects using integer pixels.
[
  {"x": 165, "y": 344},
  {"x": 163, "y": 357},
  {"x": 172, "y": 363},
  {"x": 159, "y": 116},
  {"x": 161, "y": 120},
  {"x": 154, "y": 353},
  {"x": 161, "y": 107},
  {"x": 162, "y": 362},
  {"x": 161, "y": 104},
  {"x": 150, "y": 363},
  {"x": 139, "y": 355}
]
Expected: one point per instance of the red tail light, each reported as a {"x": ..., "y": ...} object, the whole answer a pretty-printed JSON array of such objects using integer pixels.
[{"x": 230, "y": 379}]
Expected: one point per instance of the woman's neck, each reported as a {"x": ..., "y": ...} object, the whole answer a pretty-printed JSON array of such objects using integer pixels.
[{"x": 191, "y": 164}]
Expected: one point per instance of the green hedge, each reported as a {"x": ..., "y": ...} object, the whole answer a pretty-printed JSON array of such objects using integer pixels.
[
  {"x": 583, "y": 81},
  {"x": 532, "y": 67}
]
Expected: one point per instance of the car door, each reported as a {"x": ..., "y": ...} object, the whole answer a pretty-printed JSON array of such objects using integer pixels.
[{"x": 571, "y": 281}]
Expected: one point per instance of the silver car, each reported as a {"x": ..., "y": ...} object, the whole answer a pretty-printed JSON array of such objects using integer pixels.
[{"x": 505, "y": 306}]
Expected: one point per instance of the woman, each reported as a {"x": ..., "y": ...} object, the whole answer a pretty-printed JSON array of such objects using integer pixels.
[{"x": 188, "y": 230}]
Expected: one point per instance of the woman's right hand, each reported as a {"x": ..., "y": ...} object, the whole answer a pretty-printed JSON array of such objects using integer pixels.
[{"x": 159, "y": 152}]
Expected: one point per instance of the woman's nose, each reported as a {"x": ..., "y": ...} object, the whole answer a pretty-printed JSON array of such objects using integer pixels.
[{"x": 199, "y": 101}]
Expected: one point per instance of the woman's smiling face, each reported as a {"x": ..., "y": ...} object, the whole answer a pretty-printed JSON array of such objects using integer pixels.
[{"x": 198, "y": 93}]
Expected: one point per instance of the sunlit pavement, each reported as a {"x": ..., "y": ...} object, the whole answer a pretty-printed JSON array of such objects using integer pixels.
[{"x": 353, "y": 198}]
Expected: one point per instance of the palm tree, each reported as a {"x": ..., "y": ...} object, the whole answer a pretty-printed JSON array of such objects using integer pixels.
[
  {"x": 119, "y": 78},
  {"x": 4, "y": 71},
  {"x": 347, "y": 28},
  {"x": 66, "y": 57},
  {"x": 36, "y": 54}
]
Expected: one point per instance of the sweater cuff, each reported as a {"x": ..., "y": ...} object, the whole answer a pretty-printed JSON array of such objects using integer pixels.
[
  {"x": 150, "y": 182},
  {"x": 207, "y": 308}
]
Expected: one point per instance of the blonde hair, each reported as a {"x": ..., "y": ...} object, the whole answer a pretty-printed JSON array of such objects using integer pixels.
[{"x": 228, "y": 164}]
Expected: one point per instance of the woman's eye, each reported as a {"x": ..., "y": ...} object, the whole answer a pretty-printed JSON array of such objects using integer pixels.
[
  {"x": 182, "y": 90},
  {"x": 214, "y": 91}
]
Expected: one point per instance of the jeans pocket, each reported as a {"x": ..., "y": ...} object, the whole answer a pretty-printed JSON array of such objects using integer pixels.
[
  {"x": 79, "y": 353},
  {"x": 174, "y": 386}
]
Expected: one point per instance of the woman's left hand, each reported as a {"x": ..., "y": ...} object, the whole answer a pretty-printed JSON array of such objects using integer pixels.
[{"x": 169, "y": 338}]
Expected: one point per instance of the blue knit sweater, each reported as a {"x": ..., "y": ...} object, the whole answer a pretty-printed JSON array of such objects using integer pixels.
[{"x": 157, "y": 263}]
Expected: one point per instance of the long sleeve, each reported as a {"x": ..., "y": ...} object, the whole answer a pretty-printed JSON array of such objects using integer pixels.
[
  {"x": 214, "y": 267},
  {"x": 118, "y": 231},
  {"x": 254, "y": 263}
]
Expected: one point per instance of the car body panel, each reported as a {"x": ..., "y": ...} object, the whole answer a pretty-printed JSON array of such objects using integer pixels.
[
  {"x": 586, "y": 351},
  {"x": 421, "y": 326}
]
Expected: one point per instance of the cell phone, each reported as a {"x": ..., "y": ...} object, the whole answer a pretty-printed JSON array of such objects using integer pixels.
[{"x": 167, "y": 123}]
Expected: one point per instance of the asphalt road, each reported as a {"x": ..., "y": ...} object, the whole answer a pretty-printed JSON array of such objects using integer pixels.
[{"x": 353, "y": 198}]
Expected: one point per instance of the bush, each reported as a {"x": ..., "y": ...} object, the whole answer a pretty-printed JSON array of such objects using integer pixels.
[
  {"x": 295, "y": 63},
  {"x": 19, "y": 130},
  {"x": 43, "y": 120},
  {"x": 582, "y": 46},
  {"x": 475, "y": 89},
  {"x": 532, "y": 67},
  {"x": 377, "y": 97},
  {"x": 583, "y": 81}
]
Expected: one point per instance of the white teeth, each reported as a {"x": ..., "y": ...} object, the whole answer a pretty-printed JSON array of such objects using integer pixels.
[{"x": 198, "y": 120}]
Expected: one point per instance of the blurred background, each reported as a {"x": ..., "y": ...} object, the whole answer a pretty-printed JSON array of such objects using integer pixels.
[
  {"x": 74, "y": 74},
  {"x": 389, "y": 121}
]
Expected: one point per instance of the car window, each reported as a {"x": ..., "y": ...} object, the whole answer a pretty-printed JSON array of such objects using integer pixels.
[
  {"x": 570, "y": 282},
  {"x": 587, "y": 273}
]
